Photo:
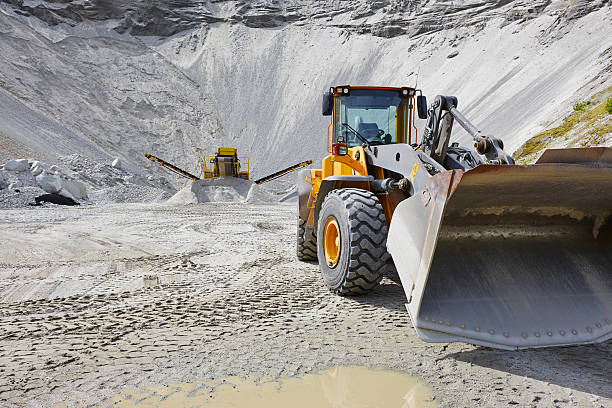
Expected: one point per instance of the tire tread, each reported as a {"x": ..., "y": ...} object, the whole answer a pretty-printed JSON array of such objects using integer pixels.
[
  {"x": 306, "y": 249},
  {"x": 368, "y": 236}
]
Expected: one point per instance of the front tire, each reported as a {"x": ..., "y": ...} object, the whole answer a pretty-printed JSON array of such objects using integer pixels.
[{"x": 352, "y": 239}]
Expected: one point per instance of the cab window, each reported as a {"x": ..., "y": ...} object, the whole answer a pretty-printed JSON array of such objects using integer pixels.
[{"x": 375, "y": 115}]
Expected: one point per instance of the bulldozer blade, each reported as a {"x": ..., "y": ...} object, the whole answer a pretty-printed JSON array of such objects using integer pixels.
[{"x": 509, "y": 257}]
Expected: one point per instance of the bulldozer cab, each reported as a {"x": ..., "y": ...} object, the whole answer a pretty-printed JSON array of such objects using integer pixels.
[{"x": 372, "y": 115}]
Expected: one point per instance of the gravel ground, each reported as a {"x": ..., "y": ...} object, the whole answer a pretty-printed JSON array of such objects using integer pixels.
[{"x": 95, "y": 300}]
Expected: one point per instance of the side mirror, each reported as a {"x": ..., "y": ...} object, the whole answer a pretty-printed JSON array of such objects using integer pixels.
[
  {"x": 328, "y": 103},
  {"x": 422, "y": 106}
]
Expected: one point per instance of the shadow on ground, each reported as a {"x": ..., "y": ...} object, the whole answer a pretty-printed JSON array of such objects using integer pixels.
[
  {"x": 389, "y": 294},
  {"x": 581, "y": 368}
]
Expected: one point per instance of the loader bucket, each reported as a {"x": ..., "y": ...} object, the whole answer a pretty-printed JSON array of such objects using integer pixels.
[{"x": 509, "y": 256}]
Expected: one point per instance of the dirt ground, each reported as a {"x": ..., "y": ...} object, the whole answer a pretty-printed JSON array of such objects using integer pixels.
[{"x": 95, "y": 300}]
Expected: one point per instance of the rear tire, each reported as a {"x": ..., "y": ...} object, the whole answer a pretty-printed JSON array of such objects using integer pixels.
[
  {"x": 306, "y": 249},
  {"x": 358, "y": 263}
]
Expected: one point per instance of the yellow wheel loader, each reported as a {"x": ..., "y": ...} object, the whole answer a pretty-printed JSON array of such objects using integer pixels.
[{"x": 488, "y": 252}]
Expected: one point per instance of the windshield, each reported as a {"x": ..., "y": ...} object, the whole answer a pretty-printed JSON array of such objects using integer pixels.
[{"x": 371, "y": 113}]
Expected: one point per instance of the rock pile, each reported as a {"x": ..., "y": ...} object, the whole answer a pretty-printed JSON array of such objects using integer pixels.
[
  {"x": 78, "y": 179},
  {"x": 33, "y": 178},
  {"x": 223, "y": 190}
]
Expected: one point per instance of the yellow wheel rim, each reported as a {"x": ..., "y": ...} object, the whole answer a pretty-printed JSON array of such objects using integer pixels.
[{"x": 331, "y": 242}]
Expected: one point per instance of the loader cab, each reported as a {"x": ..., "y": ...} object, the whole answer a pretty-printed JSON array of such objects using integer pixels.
[{"x": 379, "y": 115}]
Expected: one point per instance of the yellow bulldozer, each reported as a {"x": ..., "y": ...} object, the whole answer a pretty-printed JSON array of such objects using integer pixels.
[{"x": 488, "y": 252}]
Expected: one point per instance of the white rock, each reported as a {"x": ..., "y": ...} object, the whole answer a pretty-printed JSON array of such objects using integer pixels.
[
  {"x": 17, "y": 165},
  {"x": 73, "y": 189},
  {"x": 38, "y": 163},
  {"x": 54, "y": 169},
  {"x": 16, "y": 184},
  {"x": 51, "y": 183},
  {"x": 116, "y": 163},
  {"x": 66, "y": 193},
  {"x": 37, "y": 168}
]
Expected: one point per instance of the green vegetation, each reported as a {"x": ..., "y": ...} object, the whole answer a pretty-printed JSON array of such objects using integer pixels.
[
  {"x": 581, "y": 117},
  {"x": 581, "y": 106},
  {"x": 542, "y": 139},
  {"x": 596, "y": 135}
]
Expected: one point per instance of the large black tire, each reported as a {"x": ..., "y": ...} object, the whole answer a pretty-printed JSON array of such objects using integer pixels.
[
  {"x": 363, "y": 256},
  {"x": 306, "y": 249}
]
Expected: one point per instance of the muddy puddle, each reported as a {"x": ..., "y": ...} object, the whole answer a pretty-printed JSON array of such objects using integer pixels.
[{"x": 338, "y": 387}]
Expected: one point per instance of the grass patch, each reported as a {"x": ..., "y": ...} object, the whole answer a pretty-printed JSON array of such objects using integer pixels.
[
  {"x": 596, "y": 135},
  {"x": 581, "y": 116},
  {"x": 543, "y": 139},
  {"x": 582, "y": 106},
  {"x": 601, "y": 130}
]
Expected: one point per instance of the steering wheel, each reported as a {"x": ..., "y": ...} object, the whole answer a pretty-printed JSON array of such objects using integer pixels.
[{"x": 380, "y": 137}]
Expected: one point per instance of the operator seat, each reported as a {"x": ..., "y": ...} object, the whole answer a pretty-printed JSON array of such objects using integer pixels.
[{"x": 368, "y": 130}]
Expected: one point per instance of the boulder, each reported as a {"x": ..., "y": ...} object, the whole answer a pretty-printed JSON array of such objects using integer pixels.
[
  {"x": 54, "y": 169},
  {"x": 49, "y": 182},
  {"x": 73, "y": 189},
  {"x": 37, "y": 167},
  {"x": 17, "y": 165},
  {"x": 116, "y": 163}
]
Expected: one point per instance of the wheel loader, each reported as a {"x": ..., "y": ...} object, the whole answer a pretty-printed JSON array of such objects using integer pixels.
[{"x": 488, "y": 252}]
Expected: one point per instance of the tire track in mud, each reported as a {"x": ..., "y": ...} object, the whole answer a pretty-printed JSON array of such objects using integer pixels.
[
  {"x": 249, "y": 294},
  {"x": 202, "y": 312},
  {"x": 232, "y": 299}
]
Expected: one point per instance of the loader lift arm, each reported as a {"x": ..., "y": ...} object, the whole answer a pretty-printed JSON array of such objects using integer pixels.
[
  {"x": 283, "y": 172},
  {"x": 171, "y": 167},
  {"x": 442, "y": 113}
]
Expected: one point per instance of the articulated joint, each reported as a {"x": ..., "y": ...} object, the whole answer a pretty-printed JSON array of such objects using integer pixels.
[{"x": 482, "y": 145}]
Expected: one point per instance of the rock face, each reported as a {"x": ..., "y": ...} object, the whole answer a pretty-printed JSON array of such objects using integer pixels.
[
  {"x": 111, "y": 78},
  {"x": 384, "y": 18}
]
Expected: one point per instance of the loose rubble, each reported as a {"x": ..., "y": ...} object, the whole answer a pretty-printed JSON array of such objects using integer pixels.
[
  {"x": 79, "y": 179},
  {"x": 223, "y": 190}
]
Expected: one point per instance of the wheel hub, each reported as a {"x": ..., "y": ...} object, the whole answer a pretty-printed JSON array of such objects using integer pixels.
[{"x": 331, "y": 242}]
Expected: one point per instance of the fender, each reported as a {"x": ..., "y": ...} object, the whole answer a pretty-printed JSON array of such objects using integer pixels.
[{"x": 336, "y": 182}]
